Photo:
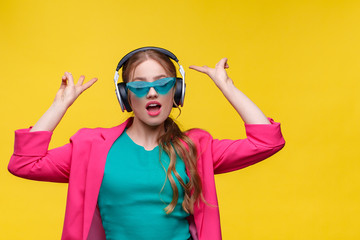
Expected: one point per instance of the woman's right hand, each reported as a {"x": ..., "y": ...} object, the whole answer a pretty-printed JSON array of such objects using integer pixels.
[
  {"x": 66, "y": 95},
  {"x": 69, "y": 91}
]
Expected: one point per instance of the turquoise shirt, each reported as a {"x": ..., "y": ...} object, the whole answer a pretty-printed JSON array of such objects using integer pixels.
[{"x": 130, "y": 202}]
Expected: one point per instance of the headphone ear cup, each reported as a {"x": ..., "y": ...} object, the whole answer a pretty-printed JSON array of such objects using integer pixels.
[
  {"x": 124, "y": 96},
  {"x": 178, "y": 92}
]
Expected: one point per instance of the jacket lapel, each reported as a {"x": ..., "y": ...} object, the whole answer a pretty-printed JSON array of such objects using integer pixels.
[{"x": 95, "y": 171}]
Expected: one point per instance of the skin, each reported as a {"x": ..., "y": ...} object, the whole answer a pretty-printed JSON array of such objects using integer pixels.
[
  {"x": 247, "y": 110},
  {"x": 145, "y": 130},
  {"x": 65, "y": 97}
]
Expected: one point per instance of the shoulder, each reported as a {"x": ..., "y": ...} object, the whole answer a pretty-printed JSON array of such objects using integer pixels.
[
  {"x": 198, "y": 136},
  {"x": 100, "y": 132},
  {"x": 197, "y": 132},
  {"x": 90, "y": 133},
  {"x": 93, "y": 130}
]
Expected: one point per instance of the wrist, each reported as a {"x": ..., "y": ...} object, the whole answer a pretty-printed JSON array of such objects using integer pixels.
[
  {"x": 58, "y": 107},
  {"x": 227, "y": 87}
]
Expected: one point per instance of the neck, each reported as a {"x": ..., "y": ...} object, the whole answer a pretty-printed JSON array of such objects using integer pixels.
[{"x": 145, "y": 135}]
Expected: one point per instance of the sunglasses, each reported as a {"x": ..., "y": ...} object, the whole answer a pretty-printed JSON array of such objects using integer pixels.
[{"x": 161, "y": 86}]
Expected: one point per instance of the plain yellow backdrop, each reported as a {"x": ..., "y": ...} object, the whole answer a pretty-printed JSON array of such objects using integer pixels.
[{"x": 299, "y": 61}]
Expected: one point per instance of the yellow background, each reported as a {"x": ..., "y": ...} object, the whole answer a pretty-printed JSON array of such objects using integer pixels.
[{"x": 299, "y": 61}]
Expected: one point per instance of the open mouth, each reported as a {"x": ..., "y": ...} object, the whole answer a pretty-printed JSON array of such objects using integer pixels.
[{"x": 153, "y": 108}]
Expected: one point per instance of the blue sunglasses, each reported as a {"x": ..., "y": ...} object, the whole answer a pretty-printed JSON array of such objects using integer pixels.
[{"x": 161, "y": 86}]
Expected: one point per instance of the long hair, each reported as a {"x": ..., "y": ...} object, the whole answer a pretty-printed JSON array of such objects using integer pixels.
[{"x": 174, "y": 142}]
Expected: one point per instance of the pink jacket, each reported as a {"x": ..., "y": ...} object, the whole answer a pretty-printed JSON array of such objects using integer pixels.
[{"x": 81, "y": 163}]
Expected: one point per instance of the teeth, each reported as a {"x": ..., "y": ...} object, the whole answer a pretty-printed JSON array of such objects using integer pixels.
[{"x": 152, "y": 105}]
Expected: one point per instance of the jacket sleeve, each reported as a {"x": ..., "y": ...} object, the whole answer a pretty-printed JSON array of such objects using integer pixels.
[
  {"x": 32, "y": 159},
  {"x": 263, "y": 140}
]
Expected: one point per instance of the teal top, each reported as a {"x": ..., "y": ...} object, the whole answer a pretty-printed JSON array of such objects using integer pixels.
[{"x": 130, "y": 199}]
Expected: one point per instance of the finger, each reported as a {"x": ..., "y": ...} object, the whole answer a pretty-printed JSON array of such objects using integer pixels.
[
  {"x": 203, "y": 69},
  {"x": 70, "y": 79},
  {"x": 63, "y": 82},
  {"x": 81, "y": 80},
  {"x": 222, "y": 63},
  {"x": 89, "y": 84}
]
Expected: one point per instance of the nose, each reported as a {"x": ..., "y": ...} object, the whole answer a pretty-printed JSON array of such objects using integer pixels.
[{"x": 152, "y": 93}]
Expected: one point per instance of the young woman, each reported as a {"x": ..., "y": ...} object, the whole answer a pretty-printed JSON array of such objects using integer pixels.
[{"x": 143, "y": 179}]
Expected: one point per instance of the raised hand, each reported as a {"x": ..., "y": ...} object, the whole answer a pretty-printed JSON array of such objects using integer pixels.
[
  {"x": 247, "y": 110},
  {"x": 217, "y": 74},
  {"x": 69, "y": 91},
  {"x": 66, "y": 95}
]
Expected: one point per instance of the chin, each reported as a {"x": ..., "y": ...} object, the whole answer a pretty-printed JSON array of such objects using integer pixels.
[
  {"x": 144, "y": 118},
  {"x": 153, "y": 121}
]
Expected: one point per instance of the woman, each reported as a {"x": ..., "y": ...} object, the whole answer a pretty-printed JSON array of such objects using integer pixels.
[{"x": 144, "y": 179}]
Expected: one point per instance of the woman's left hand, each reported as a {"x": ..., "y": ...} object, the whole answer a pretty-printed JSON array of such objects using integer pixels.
[
  {"x": 248, "y": 111},
  {"x": 217, "y": 74}
]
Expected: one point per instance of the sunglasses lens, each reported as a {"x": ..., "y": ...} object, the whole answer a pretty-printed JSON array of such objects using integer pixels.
[
  {"x": 141, "y": 88},
  {"x": 165, "y": 85},
  {"x": 139, "y": 91}
]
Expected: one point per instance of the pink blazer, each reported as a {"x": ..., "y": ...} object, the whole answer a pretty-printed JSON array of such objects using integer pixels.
[{"x": 81, "y": 163}]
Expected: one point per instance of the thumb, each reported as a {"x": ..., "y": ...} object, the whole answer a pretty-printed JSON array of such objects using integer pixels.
[{"x": 222, "y": 63}]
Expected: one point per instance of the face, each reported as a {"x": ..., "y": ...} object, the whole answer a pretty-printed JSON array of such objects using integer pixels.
[{"x": 153, "y": 108}]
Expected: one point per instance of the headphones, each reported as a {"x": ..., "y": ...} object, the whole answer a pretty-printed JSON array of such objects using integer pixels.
[{"x": 120, "y": 88}]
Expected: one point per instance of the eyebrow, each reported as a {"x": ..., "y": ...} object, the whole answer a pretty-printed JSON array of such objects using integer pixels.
[{"x": 144, "y": 79}]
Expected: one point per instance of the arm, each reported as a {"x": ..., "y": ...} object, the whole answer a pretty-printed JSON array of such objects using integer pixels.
[
  {"x": 247, "y": 110},
  {"x": 263, "y": 140},
  {"x": 264, "y": 136},
  {"x": 31, "y": 158}
]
